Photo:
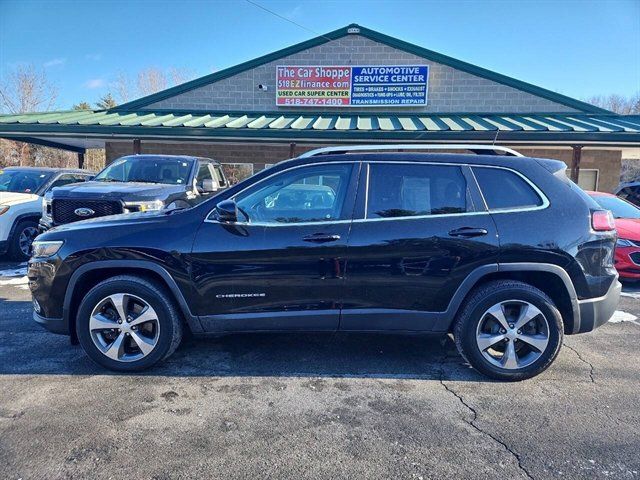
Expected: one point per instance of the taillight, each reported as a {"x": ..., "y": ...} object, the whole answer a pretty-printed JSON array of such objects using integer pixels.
[{"x": 602, "y": 221}]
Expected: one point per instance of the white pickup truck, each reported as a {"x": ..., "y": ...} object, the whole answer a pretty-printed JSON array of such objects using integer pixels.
[{"x": 21, "y": 193}]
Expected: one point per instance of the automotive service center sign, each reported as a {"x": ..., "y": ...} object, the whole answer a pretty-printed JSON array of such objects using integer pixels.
[{"x": 352, "y": 86}]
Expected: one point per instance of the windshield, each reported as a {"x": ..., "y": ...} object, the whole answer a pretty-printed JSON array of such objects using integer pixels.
[
  {"x": 173, "y": 171},
  {"x": 22, "y": 181},
  {"x": 618, "y": 207}
]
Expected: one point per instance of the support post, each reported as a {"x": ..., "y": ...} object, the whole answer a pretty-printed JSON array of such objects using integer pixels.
[
  {"x": 137, "y": 146},
  {"x": 575, "y": 162},
  {"x": 292, "y": 150},
  {"x": 80, "y": 160}
]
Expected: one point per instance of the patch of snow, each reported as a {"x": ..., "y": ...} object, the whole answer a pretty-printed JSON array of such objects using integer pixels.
[
  {"x": 14, "y": 272},
  {"x": 619, "y": 316},
  {"x": 630, "y": 294},
  {"x": 20, "y": 282}
]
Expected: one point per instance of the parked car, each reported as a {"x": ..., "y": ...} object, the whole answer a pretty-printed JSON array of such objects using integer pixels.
[
  {"x": 629, "y": 191},
  {"x": 408, "y": 243},
  {"x": 627, "y": 220},
  {"x": 21, "y": 191},
  {"x": 135, "y": 183}
]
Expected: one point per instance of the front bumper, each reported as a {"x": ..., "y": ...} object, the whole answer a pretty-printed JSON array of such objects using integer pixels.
[
  {"x": 595, "y": 312},
  {"x": 55, "y": 325}
]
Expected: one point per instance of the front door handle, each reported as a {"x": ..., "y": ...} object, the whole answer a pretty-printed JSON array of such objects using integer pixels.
[
  {"x": 321, "y": 238},
  {"x": 468, "y": 232}
]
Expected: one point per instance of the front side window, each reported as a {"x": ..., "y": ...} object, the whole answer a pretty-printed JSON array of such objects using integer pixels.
[
  {"x": 308, "y": 194},
  {"x": 504, "y": 189},
  {"x": 22, "y": 181},
  {"x": 408, "y": 190},
  {"x": 167, "y": 170}
]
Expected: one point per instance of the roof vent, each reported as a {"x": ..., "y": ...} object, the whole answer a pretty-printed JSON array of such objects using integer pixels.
[{"x": 353, "y": 30}]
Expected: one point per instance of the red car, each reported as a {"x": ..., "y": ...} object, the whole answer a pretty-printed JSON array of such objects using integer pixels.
[{"x": 627, "y": 219}]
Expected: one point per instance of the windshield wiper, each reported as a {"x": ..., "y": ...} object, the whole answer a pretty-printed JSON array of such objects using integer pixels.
[
  {"x": 141, "y": 180},
  {"x": 106, "y": 180}
]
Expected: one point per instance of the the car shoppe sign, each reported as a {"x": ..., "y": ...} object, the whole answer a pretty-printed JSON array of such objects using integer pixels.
[{"x": 352, "y": 86}]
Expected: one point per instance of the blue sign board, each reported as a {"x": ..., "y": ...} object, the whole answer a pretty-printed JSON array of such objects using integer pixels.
[{"x": 400, "y": 85}]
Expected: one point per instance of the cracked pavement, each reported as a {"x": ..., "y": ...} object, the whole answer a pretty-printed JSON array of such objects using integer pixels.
[{"x": 315, "y": 406}]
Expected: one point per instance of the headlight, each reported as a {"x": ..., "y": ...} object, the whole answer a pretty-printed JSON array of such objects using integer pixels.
[
  {"x": 144, "y": 206},
  {"x": 45, "y": 249},
  {"x": 623, "y": 242},
  {"x": 3, "y": 210}
]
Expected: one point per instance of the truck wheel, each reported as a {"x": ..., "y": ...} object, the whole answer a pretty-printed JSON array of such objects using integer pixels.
[
  {"x": 127, "y": 323},
  {"x": 509, "y": 330},
  {"x": 20, "y": 243}
]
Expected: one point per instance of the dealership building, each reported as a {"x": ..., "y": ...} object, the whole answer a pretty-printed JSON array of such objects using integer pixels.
[{"x": 350, "y": 86}]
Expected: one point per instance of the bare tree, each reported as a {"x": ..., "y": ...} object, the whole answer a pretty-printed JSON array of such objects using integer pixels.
[
  {"x": 151, "y": 80},
  {"x": 27, "y": 90},
  {"x": 617, "y": 103},
  {"x": 180, "y": 75},
  {"x": 123, "y": 88}
]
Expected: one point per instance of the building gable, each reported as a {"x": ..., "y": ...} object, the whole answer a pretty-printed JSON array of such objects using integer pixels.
[{"x": 454, "y": 86}]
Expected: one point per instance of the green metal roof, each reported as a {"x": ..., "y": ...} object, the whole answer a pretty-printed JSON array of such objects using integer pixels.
[
  {"x": 377, "y": 37},
  {"x": 588, "y": 128}
]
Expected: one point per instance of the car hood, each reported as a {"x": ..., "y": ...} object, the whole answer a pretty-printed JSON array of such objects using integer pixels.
[
  {"x": 119, "y": 190},
  {"x": 628, "y": 228},
  {"x": 112, "y": 220},
  {"x": 12, "y": 198}
]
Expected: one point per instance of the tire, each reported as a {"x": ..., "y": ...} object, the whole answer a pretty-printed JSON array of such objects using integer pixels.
[
  {"x": 24, "y": 228},
  {"x": 476, "y": 326},
  {"x": 118, "y": 346}
]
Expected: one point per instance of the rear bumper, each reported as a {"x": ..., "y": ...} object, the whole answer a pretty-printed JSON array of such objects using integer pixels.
[
  {"x": 55, "y": 325},
  {"x": 595, "y": 312}
]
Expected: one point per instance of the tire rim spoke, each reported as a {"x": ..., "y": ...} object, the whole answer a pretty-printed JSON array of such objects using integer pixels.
[
  {"x": 510, "y": 357},
  {"x": 497, "y": 312},
  {"x": 527, "y": 313},
  {"x": 147, "y": 315},
  {"x": 539, "y": 342},
  {"x": 487, "y": 341},
  {"x": 144, "y": 344},
  {"x": 115, "y": 351},
  {"x": 119, "y": 302},
  {"x": 99, "y": 322}
]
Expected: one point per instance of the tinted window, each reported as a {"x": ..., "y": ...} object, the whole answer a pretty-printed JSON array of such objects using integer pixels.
[
  {"x": 504, "y": 189},
  {"x": 402, "y": 190},
  {"x": 618, "y": 207},
  {"x": 147, "y": 169},
  {"x": 22, "y": 181},
  {"x": 309, "y": 194},
  {"x": 63, "y": 180}
]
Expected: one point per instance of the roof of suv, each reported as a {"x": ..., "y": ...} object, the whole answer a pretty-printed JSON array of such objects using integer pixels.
[
  {"x": 153, "y": 156},
  {"x": 48, "y": 169},
  {"x": 463, "y": 158}
]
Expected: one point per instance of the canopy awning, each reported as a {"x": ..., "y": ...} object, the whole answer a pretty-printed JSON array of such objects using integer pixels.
[{"x": 86, "y": 129}]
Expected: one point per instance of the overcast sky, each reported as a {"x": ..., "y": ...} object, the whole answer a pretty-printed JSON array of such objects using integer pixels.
[{"x": 579, "y": 48}]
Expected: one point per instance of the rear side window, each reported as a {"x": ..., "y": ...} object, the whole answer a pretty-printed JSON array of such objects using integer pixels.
[
  {"x": 407, "y": 190},
  {"x": 504, "y": 189}
]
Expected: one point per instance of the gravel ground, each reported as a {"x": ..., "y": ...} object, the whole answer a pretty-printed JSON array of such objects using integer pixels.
[{"x": 314, "y": 406}]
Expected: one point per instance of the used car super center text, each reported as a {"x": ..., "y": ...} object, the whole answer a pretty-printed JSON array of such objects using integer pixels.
[{"x": 345, "y": 239}]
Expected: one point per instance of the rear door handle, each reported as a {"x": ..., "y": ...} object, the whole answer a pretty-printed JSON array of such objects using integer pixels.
[
  {"x": 468, "y": 232},
  {"x": 321, "y": 238}
]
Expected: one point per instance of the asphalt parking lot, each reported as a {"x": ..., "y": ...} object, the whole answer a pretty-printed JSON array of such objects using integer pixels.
[{"x": 314, "y": 406}]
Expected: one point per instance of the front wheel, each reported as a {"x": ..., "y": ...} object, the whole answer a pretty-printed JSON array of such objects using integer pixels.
[
  {"x": 128, "y": 323},
  {"x": 509, "y": 330},
  {"x": 20, "y": 243}
]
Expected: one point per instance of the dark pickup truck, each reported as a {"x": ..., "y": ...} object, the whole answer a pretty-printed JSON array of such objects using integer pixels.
[{"x": 136, "y": 183}]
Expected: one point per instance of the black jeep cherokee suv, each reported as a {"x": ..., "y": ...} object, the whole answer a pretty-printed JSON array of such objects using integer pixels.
[
  {"x": 135, "y": 183},
  {"x": 503, "y": 252}
]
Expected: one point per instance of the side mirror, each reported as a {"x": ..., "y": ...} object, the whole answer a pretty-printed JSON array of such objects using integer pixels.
[
  {"x": 208, "y": 186},
  {"x": 227, "y": 211}
]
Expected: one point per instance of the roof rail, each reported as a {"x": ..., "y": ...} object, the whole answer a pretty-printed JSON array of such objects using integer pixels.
[{"x": 477, "y": 149}]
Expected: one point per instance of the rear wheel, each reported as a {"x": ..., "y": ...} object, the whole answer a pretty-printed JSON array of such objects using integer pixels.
[
  {"x": 128, "y": 323},
  {"x": 20, "y": 243},
  {"x": 509, "y": 330}
]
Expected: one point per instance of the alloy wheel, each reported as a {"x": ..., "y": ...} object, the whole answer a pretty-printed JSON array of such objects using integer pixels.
[
  {"x": 512, "y": 334},
  {"x": 124, "y": 327},
  {"x": 25, "y": 239}
]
